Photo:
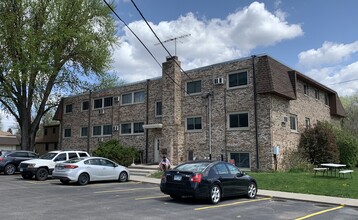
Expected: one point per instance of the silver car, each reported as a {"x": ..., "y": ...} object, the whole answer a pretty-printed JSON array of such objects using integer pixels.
[{"x": 86, "y": 169}]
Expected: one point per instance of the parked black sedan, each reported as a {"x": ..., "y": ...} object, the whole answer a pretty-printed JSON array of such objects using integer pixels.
[
  {"x": 10, "y": 160},
  {"x": 207, "y": 179}
]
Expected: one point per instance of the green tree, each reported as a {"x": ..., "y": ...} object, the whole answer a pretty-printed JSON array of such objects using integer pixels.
[
  {"x": 113, "y": 150},
  {"x": 48, "y": 48},
  {"x": 350, "y": 104},
  {"x": 348, "y": 147},
  {"x": 318, "y": 144}
]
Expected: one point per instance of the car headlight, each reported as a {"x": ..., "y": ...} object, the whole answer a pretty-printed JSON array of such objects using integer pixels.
[{"x": 31, "y": 165}]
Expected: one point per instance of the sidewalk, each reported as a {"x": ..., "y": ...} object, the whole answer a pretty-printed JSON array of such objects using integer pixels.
[{"x": 278, "y": 194}]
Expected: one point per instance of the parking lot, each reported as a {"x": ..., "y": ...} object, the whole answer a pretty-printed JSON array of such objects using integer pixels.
[{"x": 31, "y": 199}]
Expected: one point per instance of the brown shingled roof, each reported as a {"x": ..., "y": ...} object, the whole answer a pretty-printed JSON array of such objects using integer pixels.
[
  {"x": 273, "y": 77},
  {"x": 276, "y": 78}
]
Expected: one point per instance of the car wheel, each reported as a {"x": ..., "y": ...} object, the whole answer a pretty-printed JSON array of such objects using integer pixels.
[
  {"x": 41, "y": 174},
  {"x": 65, "y": 182},
  {"x": 27, "y": 176},
  {"x": 252, "y": 190},
  {"x": 175, "y": 196},
  {"x": 83, "y": 179},
  {"x": 215, "y": 194},
  {"x": 9, "y": 169},
  {"x": 123, "y": 177}
]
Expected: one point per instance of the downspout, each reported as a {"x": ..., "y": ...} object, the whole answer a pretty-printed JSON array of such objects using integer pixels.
[
  {"x": 89, "y": 121},
  {"x": 146, "y": 121},
  {"x": 255, "y": 113}
]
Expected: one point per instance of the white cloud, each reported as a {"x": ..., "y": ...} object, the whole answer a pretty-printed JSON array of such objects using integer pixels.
[
  {"x": 210, "y": 41},
  {"x": 329, "y": 54},
  {"x": 342, "y": 79}
]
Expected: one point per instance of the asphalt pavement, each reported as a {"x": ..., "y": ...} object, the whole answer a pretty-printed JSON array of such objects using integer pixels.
[{"x": 278, "y": 194}]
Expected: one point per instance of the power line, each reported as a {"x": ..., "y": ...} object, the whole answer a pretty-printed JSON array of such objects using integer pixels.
[
  {"x": 171, "y": 78},
  {"x": 344, "y": 82},
  {"x": 133, "y": 33},
  {"x": 159, "y": 39}
]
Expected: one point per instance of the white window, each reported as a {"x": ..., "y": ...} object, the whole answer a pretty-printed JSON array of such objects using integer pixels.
[
  {"x": 132, "y": 98},
  {"x": 326, "y": 99},
  {"x": 102, "y": 130},
  {"x": 68, "y": 108},
  {"x": 193, "y": 87},
  {"x": 308, "y": 122},
  {"x": 132, "y": 128},
  {"x": 306, "y": 90},
  {"x": 293, "y": 122},
  {"x": 84, "y": 131},
  {"x": 158, "y": 109},
  {"x": 241, "y": 160},
  {"x": 237, "y": 79},
  {"x": 238, "y": 120},
  {"x": 102, "y": 102},
  {"x": 85, "y": 106},
  {"x": 316, "y": 94},
  {"x": 67, "y": 132},
  {"x": 193, "y": 124}
]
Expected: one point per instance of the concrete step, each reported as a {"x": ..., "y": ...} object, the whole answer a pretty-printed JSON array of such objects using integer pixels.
[{"x": 142, "y": 170}]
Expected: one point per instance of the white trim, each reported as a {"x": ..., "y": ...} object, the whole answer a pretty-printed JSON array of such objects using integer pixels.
[
  {"x": 150, "y": 126},
  {"x": 132, "y": 128},
  {"x": 193, "y": 130},
  {"x": 296, "y": 123},
  {"x": 132, "y": 99},
  {"x": 238, "y": 128},
  {"x": 193, "y": 81},
  {"x": 237, "y": 72}
]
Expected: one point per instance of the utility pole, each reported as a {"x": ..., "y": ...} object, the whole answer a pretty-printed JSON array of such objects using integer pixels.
[{"x": 175, "y": 41}]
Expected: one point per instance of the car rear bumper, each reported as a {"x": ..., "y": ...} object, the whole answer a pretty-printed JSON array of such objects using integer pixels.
[
  {"x": 64, "y": 176},
  {"x": 197, "y": 192}
]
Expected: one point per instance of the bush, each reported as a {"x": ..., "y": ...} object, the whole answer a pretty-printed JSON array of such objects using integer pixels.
[
  {"x": 318, "y": 144},
  {"x": 348, "y": 148},
  {"x": 113, "y": 150},
  {"x": 296, "y": 163}
]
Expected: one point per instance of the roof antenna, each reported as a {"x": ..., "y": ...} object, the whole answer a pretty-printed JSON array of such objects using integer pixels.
[{"x": 175, "y": 41}]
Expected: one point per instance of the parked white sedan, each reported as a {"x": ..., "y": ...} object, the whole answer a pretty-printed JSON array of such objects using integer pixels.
[{"x": 86, "y": 169}]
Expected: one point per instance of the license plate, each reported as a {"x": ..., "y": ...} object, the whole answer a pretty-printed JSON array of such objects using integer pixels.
[
  {"x": 177, "y": 177},
  {"x": 21, "y": 169}
]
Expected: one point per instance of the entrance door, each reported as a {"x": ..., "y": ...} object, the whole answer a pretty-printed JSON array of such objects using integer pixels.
[{"x": 156, "y": 149}]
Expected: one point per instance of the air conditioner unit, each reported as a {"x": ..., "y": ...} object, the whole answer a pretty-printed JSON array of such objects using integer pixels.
[
  {"x": 101, "y": 111},
  {"x": 116, "y": 99},
  {"x": 285, "y": 119},
  {"x": 100, "y": 139},
  {"x": 115, "y": 128},
  {"x": 219, "y": 81}
]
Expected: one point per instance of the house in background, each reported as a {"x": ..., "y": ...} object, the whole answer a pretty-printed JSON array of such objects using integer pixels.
[
  {"x": 49, "y": 140},
  {"x": 250, "y": 111},
  {"x": 9, "y": 141}
]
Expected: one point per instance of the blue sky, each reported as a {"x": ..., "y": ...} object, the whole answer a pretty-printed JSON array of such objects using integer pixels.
[{"x": 316, "y": 37}]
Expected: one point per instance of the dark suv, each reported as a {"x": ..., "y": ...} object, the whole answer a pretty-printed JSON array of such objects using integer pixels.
[{"x": 10, "y": 160}]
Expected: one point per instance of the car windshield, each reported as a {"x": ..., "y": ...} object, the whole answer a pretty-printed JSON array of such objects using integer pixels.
[
  {"x": 74, "y": 160},
  {"x": 192, "y": 167},
  {"x": 48, "y": 156}
]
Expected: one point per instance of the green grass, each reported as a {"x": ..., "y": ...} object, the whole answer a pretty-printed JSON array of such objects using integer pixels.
[
  {"x": 304, "y": 183},
  {"x": 308, "y": 183}
]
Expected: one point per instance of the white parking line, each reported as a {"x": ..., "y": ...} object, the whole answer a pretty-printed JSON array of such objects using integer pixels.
[
  {"x": 152, "y": 197},
  {"x": 124, "y": 190},
  {"x": 231, "y": 204}
]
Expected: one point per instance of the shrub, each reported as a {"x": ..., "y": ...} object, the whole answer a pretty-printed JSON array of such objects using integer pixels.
[
  {"x": 318, "y": 144},
  {"x": 348, "y": 148},
  {"x": 113, "y": 150},
  {"x": 296, "y": 162}
]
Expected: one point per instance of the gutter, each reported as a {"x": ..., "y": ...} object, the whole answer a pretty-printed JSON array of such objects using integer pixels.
[{"x": 255, "y": 112}]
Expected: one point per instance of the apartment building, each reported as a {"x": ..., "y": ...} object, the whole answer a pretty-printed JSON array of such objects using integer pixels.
[{"x": 250, "y": 111}]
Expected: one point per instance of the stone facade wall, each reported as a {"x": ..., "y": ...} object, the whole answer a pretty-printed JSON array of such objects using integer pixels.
[
  {"x": 305, "y": 106},
  {"x": 179, "y": 144}
]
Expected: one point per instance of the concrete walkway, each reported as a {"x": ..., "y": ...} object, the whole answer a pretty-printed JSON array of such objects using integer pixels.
[{"x": 278, "y": 194}]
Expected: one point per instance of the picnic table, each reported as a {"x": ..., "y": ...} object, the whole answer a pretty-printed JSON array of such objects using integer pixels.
[{"x": 333, "y": 167}]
